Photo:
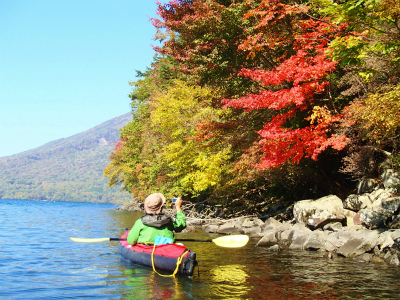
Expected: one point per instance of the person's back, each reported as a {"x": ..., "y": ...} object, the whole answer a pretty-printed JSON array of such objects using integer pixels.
[{"x": 155, "y": 223}]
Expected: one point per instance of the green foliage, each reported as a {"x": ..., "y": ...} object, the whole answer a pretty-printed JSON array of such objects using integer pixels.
[{"x": 369, "y": 30}]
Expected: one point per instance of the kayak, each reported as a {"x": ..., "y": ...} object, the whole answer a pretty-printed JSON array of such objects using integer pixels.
[{"x": 171, "y": 258}]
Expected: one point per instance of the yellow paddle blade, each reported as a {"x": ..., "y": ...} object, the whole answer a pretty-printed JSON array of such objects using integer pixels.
[
  {"x": 231, "y": 241},
  {"x": 81, "y": 240}
]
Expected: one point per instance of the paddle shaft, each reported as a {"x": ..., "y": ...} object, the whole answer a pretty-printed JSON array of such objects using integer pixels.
[
  {"x": 177, "y": 240},
  {"x": 230, "y": 241}
]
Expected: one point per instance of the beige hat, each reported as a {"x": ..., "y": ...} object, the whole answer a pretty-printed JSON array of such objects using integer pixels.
[{"x": 154, "y": 203}]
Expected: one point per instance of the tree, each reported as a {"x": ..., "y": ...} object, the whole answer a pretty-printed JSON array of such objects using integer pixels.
[{"x": 301, "y": 128}]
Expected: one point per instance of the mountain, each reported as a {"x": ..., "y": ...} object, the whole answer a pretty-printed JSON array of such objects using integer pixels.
[{"x": 68, "y": 169}]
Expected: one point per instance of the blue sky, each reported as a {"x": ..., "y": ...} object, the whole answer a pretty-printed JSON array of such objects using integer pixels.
[{"x": 65, "y": 65}]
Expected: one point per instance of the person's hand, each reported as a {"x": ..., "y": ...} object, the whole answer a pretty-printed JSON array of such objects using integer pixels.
[{"x": 178, "y": 204}]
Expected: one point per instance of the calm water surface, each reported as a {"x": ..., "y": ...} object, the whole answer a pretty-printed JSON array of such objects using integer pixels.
[{"x": 39, "y": 261}]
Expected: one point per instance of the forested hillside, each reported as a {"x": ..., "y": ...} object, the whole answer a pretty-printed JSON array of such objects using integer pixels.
[
  {"x": 264, "y": 102},
  {"x": 69, "y": 169}
]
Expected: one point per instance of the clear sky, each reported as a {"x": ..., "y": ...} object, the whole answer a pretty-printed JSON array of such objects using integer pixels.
[{"x": 65, "y": 65}]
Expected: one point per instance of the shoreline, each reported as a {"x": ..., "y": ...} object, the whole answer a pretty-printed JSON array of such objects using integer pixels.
[{"x": 326, "y": 225}]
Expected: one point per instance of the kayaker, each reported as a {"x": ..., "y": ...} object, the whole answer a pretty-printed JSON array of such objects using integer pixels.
[{"x": 155, "y": 223}]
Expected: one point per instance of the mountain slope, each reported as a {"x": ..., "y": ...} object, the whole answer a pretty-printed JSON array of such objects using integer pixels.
[{"x": 69, "y": 169}]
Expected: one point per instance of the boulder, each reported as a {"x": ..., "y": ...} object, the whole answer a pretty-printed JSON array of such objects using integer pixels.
[
  {"x": 268, "y": 240},
  {"x": 356, "y": 202},
  {"x": 389, "y": 178},
  {"x": 365, "y": 258},
  {"x": 319, "y": 212},
  {"x": 369, "y": 219},
  {"x": 212, "y": 228},
  {"x": 386, "y": 206},
  {"x": 385, "y": 241},
  {"x": 394, "y": 260},
  {"x": 366, "y": 185},
  {"x": 269, "y": 224},
  {"x": 297, "y": 236},
  {"x": 394, "y": 234},
  {"x": 274, "y": 226},
  {"x": 233, "y": 227},
  {"x": 336, "y": 240},
  {"x": 251, "y": 226},
  {"x": 315, "y": 241},
  {"x": 252, "y": 231},
  {"x": 362, "y": 242},
  {"x": 380, "y": 194},
  {"x": 252, "y": 223}
]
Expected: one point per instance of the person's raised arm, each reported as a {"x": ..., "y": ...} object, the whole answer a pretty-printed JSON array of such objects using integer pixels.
[
  {"x": 178, "y": 204},
  {"x": 180, "y": 220}
]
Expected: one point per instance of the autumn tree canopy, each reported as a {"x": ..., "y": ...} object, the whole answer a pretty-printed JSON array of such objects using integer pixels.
[{"x": 247, "y": 97}]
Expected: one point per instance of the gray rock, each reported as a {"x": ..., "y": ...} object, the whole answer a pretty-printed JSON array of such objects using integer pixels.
[
  {"x": 357, "y": 233},
  {"x": 394, "y": 233},
  {"x": 229, "y": 228},
  {"x": 390, "y": 178},
  {"x": 369, "y": 219},
  {"x": 356, "y": 202},
  {"x": 315, "y": 241},
  {"x": 336, "y": 240},
  {"x": 366, "y": 185},
  {"x": 297, "y": 236},
  {"x": 362, "y": 242},
  {"x": 329, "y": 207},
  {"x": 380, "y": 194},
  {"x": 385, "y": 240},
  {"x": 386, "y": 207},
  {"x": 298, "y": 242},
  {"x": 252, "y": 222},
  {"x": 211, "y": 228},
  {"x": 276, "y": 229},
  {"x": 252, "y": 231},
  {"x": 269, "y": 239},
  {"x": 274, "y": 248},
  {"x": 269, "y": 224},
  {"x": 394, "y": 260},
  {"x": 365, "y": 258},
  {"x": 333, "y": 226}
]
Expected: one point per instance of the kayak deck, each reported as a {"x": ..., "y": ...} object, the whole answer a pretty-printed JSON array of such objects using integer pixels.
[{"x": 165, "y": 257}]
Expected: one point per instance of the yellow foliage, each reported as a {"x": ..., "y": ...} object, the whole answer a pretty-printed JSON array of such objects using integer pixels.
[
  {"x": 191, "y": 165},
  {"x": 379, "y": 114},
  {"x": 320, "y": 114},
  {"x": 177, "y": 110}
]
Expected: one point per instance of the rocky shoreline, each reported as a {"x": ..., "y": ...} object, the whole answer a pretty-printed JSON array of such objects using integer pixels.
[{"x": 364, "y": 227}]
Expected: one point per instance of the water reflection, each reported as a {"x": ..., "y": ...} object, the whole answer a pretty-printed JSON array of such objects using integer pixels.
[
  {"x": 230, "y": 281},
  {"x": 118, "y": 220},
  {"x": 145, "y": 284}
]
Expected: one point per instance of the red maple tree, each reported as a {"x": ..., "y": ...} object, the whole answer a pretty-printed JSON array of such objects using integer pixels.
[{"x": 291, "y": 88}]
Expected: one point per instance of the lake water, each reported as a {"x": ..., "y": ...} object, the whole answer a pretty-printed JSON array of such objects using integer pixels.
[{"x": 39, "y": 261}]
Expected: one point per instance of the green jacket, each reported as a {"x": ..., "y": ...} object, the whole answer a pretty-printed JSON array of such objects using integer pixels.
[{"x": 141, "y": 233}]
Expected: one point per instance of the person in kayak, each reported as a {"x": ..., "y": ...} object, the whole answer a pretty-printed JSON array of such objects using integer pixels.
[{"x": 155, "y": 223}]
